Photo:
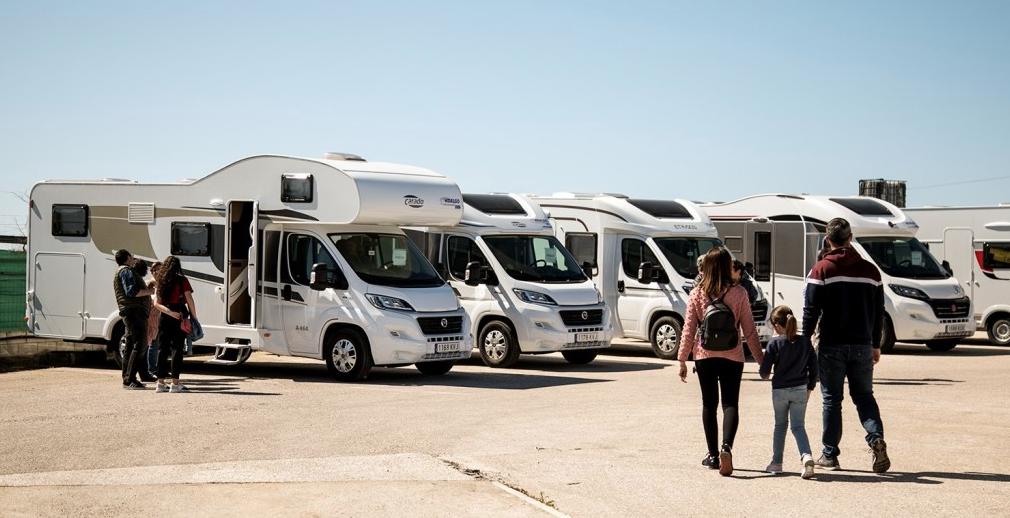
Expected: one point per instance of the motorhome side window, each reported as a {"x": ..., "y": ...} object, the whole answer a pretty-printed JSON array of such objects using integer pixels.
[
  {"x": 462, "y": 250},
  {"x": 633, "y": 254},
  {"x": 296, "y": 188},
  {"x": 191, "y": 239},
  {"x": 303, "y": 252},
  {"x": 996, "y": 255},
  {"x": 70, "y": 220},
  {"x": 582, "y": 246}
]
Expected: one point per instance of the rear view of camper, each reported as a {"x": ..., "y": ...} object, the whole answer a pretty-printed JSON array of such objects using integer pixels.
[
  {"x": 267, "y": 244},
  {"x": 642, "y": 255},
  {"x": 782, "y": 235},
  {"x": 523, "y": 290},
  {"x": 974, "y": 243}
]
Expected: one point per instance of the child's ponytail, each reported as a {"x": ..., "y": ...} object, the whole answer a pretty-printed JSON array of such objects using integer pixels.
[
  {"x": 783, "y": 316},
  {"x": 791, "y": 327}
]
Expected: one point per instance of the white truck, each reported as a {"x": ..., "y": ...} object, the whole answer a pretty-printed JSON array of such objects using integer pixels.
[
  {"x": 262, "y": 242},
  {"x": 782, "y": 234},
  {"x": 975, "y": 243},
  {"x": 642, "y": 255},
  {"x": 523, "y": 291}
]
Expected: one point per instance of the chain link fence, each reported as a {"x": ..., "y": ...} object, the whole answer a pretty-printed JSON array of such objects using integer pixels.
[{"x": 12, "y": 291}]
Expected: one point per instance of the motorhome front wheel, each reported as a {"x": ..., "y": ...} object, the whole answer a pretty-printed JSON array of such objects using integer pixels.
[{"x": 347, "y": 355}]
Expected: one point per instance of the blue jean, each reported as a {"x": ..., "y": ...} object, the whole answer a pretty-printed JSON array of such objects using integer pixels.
[
  {"x": 790, "y": 406},
  {"x": 854, "y": 362},
  {"x": 152, "y": 357}
]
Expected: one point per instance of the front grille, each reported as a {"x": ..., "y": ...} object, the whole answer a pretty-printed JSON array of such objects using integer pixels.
[
  {"x": 434, "y": 326},
  {"x": 575, "y": 317},
  {"x": 950, "y": 308}
]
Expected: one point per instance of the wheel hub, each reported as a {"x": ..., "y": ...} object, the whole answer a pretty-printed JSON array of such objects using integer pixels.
[
  {"x": 666, "y": 338},
  {"x": 345, "y": 355},
  {"x": 494, "y": 345}
]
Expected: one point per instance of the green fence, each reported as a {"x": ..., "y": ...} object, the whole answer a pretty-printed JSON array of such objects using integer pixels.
[{"x": 12, "y": 291}]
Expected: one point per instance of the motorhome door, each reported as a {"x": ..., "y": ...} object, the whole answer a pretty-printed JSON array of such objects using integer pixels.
[
  {"x": 959, "y": 252},
  {"x": 634, "y": 297},
  {"x": 242, "y": 240},
  {"x": 58, "y": 296}
]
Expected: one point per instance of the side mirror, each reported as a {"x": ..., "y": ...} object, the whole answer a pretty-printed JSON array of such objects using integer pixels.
[
  {"x": 646, "y": 273},
  {"x": 589, "y": 269},
  {"x": 323, "y": 277},
  {"x": 471, "y": 276}
]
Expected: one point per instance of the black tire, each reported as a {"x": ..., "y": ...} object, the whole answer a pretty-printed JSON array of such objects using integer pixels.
[
  {"x": 117, "y": 344},
  {"x": 435, "y": 368},
  {"x": 498, "y": 344},
  {"x": 887, "y": 336},
  {"x": 580, "y": 356},
  {"x": 665, "y": 337},
  {"x": 347, "y": 355},
  {"x": 999, "y": 329},
  {"x": 941, "y": 345}
]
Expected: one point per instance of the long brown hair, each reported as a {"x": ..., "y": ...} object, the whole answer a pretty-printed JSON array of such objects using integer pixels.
[
  {"x": 783, "y": 316},
  {"x": 167, "y": 276},
  {"x": 716, "y": 271}
]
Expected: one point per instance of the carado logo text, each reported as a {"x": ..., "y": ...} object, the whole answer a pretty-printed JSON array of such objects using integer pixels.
[{"x": 413, "y": 201}]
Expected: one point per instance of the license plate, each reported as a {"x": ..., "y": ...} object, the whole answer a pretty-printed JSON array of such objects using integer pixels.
[
  {"x": 955, "y": 328},
  {"x": 449, "y": 347},
  {"x": 587, "y": 337}
]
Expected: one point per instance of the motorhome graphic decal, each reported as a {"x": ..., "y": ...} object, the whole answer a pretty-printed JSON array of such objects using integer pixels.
[{"x": 413, "y": 201}]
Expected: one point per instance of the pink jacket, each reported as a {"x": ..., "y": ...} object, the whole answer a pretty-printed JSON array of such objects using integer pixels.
[{"x": 736, "y": 299}]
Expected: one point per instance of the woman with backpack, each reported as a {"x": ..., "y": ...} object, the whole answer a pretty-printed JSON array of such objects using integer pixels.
[{"x": 717, "y": 311}]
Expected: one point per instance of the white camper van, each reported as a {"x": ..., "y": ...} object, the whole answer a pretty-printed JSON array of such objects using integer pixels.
[
  {"x": 643, "y": 258},
  {"x": 523, "y": 291},
  {"x": 975, "y": 243},
  {"x": 782, "y": 234},
  {"x": 266, "y": 243}
]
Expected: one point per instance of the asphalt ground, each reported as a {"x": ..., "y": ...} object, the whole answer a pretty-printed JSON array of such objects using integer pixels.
[{"x": 620, "y": 436}]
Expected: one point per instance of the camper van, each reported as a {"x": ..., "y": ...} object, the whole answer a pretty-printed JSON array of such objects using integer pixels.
[
  {"x": 642, "y": 255},
  {"x": 975, "y": 244},
  {"x": 293, "y": 256},
  {"x": 781, "y": 234},
  {"x": 522, "y": 289}
]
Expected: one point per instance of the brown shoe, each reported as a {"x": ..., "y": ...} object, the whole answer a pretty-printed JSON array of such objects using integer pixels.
[{"x": 725, "y": 462}]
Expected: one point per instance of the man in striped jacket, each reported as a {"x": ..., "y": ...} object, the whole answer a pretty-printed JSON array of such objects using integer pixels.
[{"x": 845, "y": 293}]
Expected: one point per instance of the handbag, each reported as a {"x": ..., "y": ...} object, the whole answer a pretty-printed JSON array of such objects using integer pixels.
[{"x": 186, "y": 325}]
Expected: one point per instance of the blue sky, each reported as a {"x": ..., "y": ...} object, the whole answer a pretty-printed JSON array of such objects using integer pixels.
[{"x": 654, "y": 99}]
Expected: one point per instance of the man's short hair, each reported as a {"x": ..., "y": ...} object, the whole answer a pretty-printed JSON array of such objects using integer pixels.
[
  {"x": 122, "y": 256},
  {"x": 839, "y": 231}
]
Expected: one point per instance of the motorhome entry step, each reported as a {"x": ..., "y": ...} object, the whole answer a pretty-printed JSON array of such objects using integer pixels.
[{"x": 230, "y": 353}]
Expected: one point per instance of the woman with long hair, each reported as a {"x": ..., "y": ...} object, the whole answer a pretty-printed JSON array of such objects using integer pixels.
[
  {"x": 175, "y": 301},
  {"x": 719, "y": 369}
]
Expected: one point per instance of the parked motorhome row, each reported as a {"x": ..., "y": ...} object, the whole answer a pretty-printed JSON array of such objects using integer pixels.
[
  {"x": 975, "y": 243},
  {"x": 266, "y": 242},
  {"x": 782, "y": 234}
]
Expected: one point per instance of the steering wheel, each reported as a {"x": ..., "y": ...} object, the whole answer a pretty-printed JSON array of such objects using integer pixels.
[
  {"x": 905, "y": 263},
  {"x": 539, "y": 262}
]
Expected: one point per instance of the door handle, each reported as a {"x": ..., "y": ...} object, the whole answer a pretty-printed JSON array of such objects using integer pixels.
[
  {"x": 620, "y": 286},
  {"x": 286, "y": 292}
]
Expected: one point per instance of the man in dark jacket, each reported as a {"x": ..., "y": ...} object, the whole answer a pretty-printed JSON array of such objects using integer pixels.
[
  {"x": 130, "y": 297},
  {"x": 845, "y": 292}
]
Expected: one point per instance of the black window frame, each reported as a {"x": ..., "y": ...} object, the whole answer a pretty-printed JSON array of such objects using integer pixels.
[
  {"x": 178, "y": 251},
  {"x": 595, "y": 238},
  {"x": 987, "y": 262},
  {"x": 287, "y": 198},
  {"x": 59, "y": 221}
]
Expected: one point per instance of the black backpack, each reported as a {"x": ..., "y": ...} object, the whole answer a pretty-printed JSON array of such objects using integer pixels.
[{"x": 718, "y": 327}]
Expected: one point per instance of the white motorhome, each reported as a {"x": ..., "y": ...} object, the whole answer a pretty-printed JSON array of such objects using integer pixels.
[
  {"x": 523, "y": 291},
  {"x": 263, "y": 242},
  {"x": 643, "y": 258},
  {"x": 975, "y": 243},
  {"x": 781, "y": 234}
]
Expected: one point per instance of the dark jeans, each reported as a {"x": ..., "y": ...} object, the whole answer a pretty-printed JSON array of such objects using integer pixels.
[
  {"x": 855, "y": 362},
  {"x": 135, "y": 320},
  {"x": 171, "y": 342},
  {"x": 715, "y": 374}
]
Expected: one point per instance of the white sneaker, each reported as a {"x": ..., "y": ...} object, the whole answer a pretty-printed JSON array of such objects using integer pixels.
[
  {"x": 808, "y": 466},
  {"x": 161, "y": 387},
  {"x": 178, "y": 388}
]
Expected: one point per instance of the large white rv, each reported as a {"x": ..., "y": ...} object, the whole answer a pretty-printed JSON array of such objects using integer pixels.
[
  {"x": 643, "y": 258},
  {"x": 781, "y": 235},
  {"x": 264, "y": 242},
  {"x": 523, "y": 291},
  {"x": 975, "y": 242}
]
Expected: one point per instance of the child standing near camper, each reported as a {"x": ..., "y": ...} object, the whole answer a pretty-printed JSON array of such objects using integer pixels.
[
  {"x": 152, "y": 326},
  {"x": 175, "y": 302},
  {"x": 795, "y": 365}
]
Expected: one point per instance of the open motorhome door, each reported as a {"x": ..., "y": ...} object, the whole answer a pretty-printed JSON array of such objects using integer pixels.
[{"x": 242, "y": 245}]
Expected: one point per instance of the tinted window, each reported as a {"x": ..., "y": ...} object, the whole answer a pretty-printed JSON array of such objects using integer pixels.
[
  {"x": 386, "y": 259},
  {"x": 863, "y": 206},
  {"x": 296, "y": 188},
  {"x": 683, "y": 252},
  {"x": 461, "y": 251},
  {"x": 494, "y": 204},
  {"x": 582, "y": 247},
  {"x": 995, "y": 255},
  {"x": 303, "y": 252},
  {"x": 902, "y": 257},
  {"x": 70, "y": 220},
  {"x": 666, "y": 209},
  {"x": 633, "y": 253},
  {"x": 535, "y": 258},
  {"x": 191, "y": 239}
]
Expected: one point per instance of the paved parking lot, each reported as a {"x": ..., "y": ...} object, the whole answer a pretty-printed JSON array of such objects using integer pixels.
[{"x": 618, "y": 437}]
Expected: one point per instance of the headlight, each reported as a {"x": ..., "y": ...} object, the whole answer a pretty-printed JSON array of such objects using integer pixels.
[
  {"x": 534, "y": 297},
  {"x": 384, "y": 302},
  {"x": 906, "y": 291}
]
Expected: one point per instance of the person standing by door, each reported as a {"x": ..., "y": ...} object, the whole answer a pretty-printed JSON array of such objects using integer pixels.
[{"x": 131, "y": 297}]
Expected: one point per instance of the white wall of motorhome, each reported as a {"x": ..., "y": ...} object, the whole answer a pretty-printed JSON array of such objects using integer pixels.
[
  {"x": 782, "y": 234},
  {"x": 526, "y": 293},
  {"x": 643, "y": 255},
  {"x": 975, "y": 241},
  {"x": 248, "y": 237}
]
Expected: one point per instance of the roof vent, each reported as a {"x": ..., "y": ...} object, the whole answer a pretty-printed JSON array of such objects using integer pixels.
[{"x": 342, "y": 156}]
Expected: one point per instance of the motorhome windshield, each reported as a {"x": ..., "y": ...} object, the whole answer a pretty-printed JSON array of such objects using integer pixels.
[
  {"x": 535, "y": 258},
  {"x": 683, "y": 252},
  {"x": 902, "y": 257},
  {"x": 386, "y": 260}
]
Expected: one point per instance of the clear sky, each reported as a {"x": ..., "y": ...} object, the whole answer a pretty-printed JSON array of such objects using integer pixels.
[{"x": 705, "y": 100}]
